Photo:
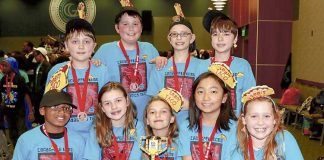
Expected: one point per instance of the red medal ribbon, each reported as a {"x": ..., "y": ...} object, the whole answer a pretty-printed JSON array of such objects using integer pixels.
[
  {"x": 133, "y": 78},
  {"x": 66, "y": 145},
  {"x": 9, "y": 84},
  {"x": 204, "y": 156},
  {"x": 250, "y": 146},
  {"x": 228, "y": 63},
  {"x": 122, "y": 154},
  {"x": 175, "y": 73},
  {"x": 81, "y": 100}
]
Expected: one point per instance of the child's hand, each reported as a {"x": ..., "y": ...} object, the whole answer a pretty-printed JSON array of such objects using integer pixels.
[
  {"x": 159, "y": 62},
  {"x": 96, "y": 62}
]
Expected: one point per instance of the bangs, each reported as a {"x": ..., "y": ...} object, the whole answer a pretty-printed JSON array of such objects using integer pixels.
[
  {"x": 79, "y": 32},
  {"x": 223, "y": 26}
]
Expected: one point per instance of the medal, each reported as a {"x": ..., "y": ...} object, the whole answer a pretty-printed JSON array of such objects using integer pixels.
[{"x": 82, "y": 116}]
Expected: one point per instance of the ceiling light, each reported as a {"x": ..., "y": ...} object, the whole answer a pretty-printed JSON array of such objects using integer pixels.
[{"x": 219, "y": 3}]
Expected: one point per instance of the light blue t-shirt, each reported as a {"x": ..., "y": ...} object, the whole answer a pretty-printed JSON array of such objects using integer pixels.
[
  {"x": 111, "y": 55},
  {"x": 165, "y": 78},
  {"x": 223, "y": 144},
  {"x": 287, "y": 149},
  {"x": 244, "y": 76},
  {"x": 97, "y": 78},
  {"x": 133, "y": 152},
  {"x": 34, "y": 144}
]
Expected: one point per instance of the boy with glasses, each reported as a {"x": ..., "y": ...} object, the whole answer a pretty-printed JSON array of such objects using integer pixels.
[
  {"x": 51, "y": 140},
  {"x": 181, "y": 69}
]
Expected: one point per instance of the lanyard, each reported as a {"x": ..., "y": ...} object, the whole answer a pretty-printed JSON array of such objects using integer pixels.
[
  {"x": 228, "y": 63},
  {"x": 66, "y": 145},
  {"x": 250, "y": 146},
  {"x": 122, "y": 154},
  {"x": 204, "y": 156},
  {"x": 81, "y": 100},
  {"x": 175, "y": 74},
  {"x": 127, "y": 57},
  {"x": 9, "y": 85}
]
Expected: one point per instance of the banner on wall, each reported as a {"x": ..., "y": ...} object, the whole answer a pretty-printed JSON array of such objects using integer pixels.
[{"x": 61, "y": 11}]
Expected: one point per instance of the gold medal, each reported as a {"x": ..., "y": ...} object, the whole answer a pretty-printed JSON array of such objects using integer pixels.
[{"x": 133, "y": 87}]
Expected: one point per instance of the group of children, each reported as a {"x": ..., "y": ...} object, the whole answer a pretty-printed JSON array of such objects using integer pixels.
[{"x": 109, "y": 107}]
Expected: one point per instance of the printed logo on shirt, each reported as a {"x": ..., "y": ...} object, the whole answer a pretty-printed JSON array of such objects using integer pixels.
[
  {"x": 108, "y": 153},
  {"x": 186, "y": 83},
  {"x": 91, "y": 100},
  {"x": 214, "y": 152},
  {"x": 131, "y": 82}
]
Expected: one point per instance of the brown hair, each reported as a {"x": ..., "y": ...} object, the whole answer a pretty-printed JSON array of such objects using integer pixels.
[
  {"x": 223, "y": 24},
  {"x": 130, "y": 12},
  {"x": 104, "y": 128},
  {"x": 223, "y": 119},
  {"x": 242, "y": 133},
  {"x": 173, "y": 128}
]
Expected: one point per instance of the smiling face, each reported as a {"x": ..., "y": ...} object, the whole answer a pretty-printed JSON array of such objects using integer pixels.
[
  {"x": 259, "y": 120},
  {"x": 159, "y": 116},
  {"x": 56, "y": 117},
  {"x": 80, "y": 46},
  {"x": 209, "y": 95},
  {"x": 223, "y": 41},
  {"x": 129, "y": 28},
  {"x": 180, "y": 37},
  {"x": 114, "y": 104}
]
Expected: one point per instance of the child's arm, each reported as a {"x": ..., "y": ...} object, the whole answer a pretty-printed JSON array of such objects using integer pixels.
[
  {"x": 31, "y": 116},
  {"x": 159, "y": 62}
]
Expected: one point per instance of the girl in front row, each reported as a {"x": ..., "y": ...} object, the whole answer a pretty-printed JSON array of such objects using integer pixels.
[
  {"x": 116, "y": 132},
  {"x": 160, "y": 120},
  {"x": 210, "y": 132},
  {"x": 259, "y": 132}
]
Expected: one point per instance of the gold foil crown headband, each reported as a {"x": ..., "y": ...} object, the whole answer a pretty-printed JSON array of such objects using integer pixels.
[
  {"x": 179, "y": 12},
  {"x": 172, "y": 97},
  {"x": 257, "y": 92},
  {"x": 222, "y": 71}
]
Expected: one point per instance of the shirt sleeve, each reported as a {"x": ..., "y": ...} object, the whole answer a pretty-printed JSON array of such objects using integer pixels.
[
  {"x": 292, "y": 150},
  {"x": 92, "y": 150}
]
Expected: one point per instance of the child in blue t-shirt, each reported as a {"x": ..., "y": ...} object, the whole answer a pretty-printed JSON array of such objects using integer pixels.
[
  {"x": 52, "y": 140},
  {"x": 259, "y": 130},
  {"x": 210, "y": 131},
  {"x": 224, "y": 36},
  {"x": 79, "y": 77},
  {"x": 160, "y": 121},
  {"x": 129, "y": 60},
  {"x": 116, "y": 132}
]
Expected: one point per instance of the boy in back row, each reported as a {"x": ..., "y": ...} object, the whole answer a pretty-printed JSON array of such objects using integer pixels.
[{"x": 79, "y": 77}]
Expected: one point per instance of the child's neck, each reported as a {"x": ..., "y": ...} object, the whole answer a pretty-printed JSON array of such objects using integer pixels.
[
  {"x": 53, "y": 129},
  {"x": 209, "y": 119},
  {"x": 180, "y": 56},
  {"x": 221, "y": 57},
  {"x": 118, "y": 123},
  {"x": 80, "y": 65},
  {"x": 258, "y": 144},
  {"x": 128, "y": 46},
  {"x": 161, "y": 133}
]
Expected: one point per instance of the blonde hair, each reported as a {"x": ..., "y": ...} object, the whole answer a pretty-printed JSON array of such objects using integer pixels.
[
  {"x": 270, "y": 143},
  {"x": 173, "y": 128},
  {"x": 104, "y": 128}
]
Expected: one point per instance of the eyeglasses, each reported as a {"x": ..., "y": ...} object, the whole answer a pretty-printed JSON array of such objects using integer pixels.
[
  {"x": 65, "y": 108},
  {"x": 182, "y": 34}
]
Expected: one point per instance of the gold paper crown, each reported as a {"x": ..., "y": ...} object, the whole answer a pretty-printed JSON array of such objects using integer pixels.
[
  {"x": 173, "y": 97},
  {"x": 257, "y": 92},
  {"x": 126, "y": 3},
  {"x": 224, "y": 73},
  {"x": 178, "y": 9}
]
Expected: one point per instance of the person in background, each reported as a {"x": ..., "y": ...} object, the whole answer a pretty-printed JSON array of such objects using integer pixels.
[{"x": 14, "y": 92}]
